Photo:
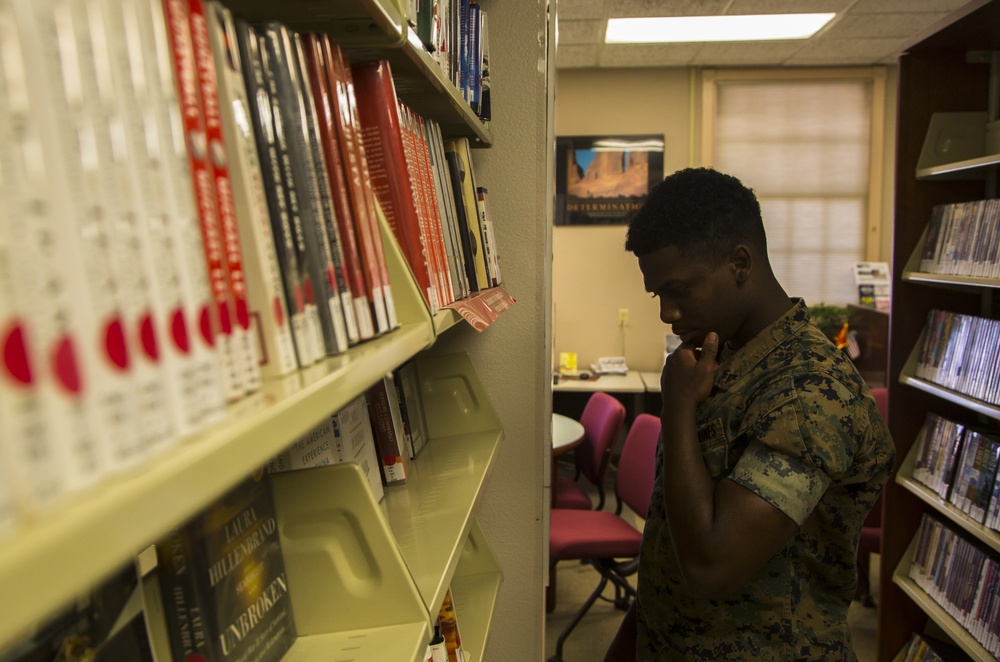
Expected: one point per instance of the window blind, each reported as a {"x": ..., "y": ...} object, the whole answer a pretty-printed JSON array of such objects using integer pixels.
[{"x": 804, "y": 147}]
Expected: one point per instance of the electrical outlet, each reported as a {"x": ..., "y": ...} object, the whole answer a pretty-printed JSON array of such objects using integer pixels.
[{"x": 623, "y": 317}]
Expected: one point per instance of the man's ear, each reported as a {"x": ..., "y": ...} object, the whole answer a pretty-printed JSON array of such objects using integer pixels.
[{"x": 741, "y": 261}]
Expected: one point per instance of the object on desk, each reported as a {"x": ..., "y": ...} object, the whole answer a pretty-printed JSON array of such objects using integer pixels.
[
  {"x": 610, "y": 365},
  {"x": 567, "y": 363}
]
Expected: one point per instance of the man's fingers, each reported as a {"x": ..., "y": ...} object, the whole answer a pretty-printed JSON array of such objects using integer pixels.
[{"x": 710, "y": 347}]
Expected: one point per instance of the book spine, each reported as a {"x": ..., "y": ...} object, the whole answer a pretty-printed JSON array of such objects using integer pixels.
[
  {"x": 294, "y": 200},
  {"x": 387, "y": 429},
  {"x": 346, "y": 322},
  {"x": 182, "y": 609},
  {"x": 470, "y": 245},
  {"x": 182, "y": 49},
  {"x": 238, "y": 308},
  {"x": 269, "y": 158},
  {"x": 323, "y": 100},
  {"x": 287, "y": 103},
  {"x": 422, "y": 148},
  {"x": 489, "y": 238},
  {"x": 189, "y": 350},
  {"x": 363, "y": 193},
  {"x": 446, "y": 199},
  {"x": 384, "y": 150},
  {"x": 265, "y": 291}
]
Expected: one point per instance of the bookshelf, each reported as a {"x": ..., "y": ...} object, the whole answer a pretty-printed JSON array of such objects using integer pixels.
[
  {"x": 946, "y": 70},
  {"x": 431, "y": 533}
]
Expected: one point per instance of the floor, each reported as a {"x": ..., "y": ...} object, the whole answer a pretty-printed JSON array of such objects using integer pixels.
[{"x": 591, "y": 638}]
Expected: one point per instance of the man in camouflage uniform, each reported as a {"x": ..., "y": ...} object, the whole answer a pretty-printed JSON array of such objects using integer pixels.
[{"x": 772, "y": 451}]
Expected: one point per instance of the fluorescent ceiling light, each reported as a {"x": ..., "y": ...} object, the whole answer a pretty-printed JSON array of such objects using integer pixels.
[{"x": 759, "y": 27}]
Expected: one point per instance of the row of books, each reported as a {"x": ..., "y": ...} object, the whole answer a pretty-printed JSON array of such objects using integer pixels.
[
  {"x": 383, "y": 430},
  {"x": 963, "y": 238},
  {"x": 961, "y": 577},
  {"x": 962, "y": 353},
  {"x": 216, "y": 224},
  {"x": 455, "y": 33},
  {"x": 921, "y": 648},
  {"x": 960, "y": 463}
]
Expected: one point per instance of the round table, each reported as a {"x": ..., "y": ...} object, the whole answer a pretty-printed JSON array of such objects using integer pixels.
[{"x": 567, "y": 433}]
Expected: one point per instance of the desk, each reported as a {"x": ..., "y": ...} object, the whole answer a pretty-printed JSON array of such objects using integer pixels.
[
  {"x": 651, "y": 380},
  {"x": 569, "y": 396}
]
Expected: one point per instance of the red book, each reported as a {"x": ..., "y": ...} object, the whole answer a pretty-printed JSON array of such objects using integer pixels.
[
  {"x": 387, "y": 426},
  {"x": 378, "y": 112},
  {"x": 323, "y": 101},
  {"x": 434, "y": 208},
  {"x": 218, "y": 326},
  {"x": 359, "y": 186},
  {"x": 246, "y": 349}
]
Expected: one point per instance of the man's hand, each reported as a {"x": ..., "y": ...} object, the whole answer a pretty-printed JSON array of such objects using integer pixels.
[{"x": 688, "y": 374}]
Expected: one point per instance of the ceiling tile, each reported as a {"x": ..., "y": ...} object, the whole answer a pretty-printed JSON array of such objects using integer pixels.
[
  {"x": 883, "y": 25},
  {"x": 627, "y": 8},
  {"x": 581, "y": 32},
  {"x": 906, "y": 6},
  {"x": 745, "y": 53},
  {"x": 581, "y": 9},
  {"x": 739, "y": 7},
  {"x": 647, "y": 55},
  {"x": 576, "y": 57},
  {"x": 851, "y": 48}
]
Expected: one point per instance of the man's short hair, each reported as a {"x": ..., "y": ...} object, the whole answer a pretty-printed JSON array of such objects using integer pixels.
[{"x": 702, "y": 212}]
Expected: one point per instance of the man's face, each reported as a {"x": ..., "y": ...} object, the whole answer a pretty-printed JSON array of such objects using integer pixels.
[{"x": 695, "y": 296}]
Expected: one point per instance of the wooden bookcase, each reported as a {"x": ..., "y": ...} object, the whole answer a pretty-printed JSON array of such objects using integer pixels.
[
  {"x": 952, "y": 68},
  {"x": 424, "y": 536}
]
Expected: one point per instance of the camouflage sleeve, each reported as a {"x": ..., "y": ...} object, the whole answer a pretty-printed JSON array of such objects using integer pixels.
[{"x": 799, "y": 447}]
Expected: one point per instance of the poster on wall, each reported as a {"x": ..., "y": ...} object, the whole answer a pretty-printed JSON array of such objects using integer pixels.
[{"x": 603, "y": 180}]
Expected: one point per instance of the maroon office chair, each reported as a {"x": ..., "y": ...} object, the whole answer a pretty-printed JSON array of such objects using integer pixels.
[
  {"x": 601, "y": 538},
  {"x": 602, "y": 420},
  {"x": 871, "y": 530}
]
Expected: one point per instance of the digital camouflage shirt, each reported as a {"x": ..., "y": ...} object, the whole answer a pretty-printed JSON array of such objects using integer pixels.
[{"x": 789, "y": 419}]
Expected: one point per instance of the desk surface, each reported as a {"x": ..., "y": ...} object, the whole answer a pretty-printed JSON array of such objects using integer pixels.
[
  {"x": 651, "y": 380},
  {"x": 627, "y": 383}
]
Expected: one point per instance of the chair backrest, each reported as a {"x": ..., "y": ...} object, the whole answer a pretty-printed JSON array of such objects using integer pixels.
[
  {"x": 602, "y": 420},
  {"x": 636, "y": 466}
]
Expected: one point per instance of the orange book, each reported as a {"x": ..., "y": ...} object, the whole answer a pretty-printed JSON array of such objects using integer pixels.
[{"x": 378, "y": 112}]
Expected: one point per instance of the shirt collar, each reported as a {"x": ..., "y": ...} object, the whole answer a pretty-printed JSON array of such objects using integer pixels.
[{"x": 737, "y": 364}]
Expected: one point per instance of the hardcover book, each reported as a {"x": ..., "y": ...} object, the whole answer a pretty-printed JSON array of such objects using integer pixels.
[
  {"x": 387, "y": 425},
  {"x": 268, "y": 311},
  {"x": 223, "y": 579},
  {"x": 219, "y": 322},
  {"x": 378, "y": 112}
]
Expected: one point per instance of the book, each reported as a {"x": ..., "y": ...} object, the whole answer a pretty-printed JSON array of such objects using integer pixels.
[
  {"x": 223, "y": 580},
  {"x": 317, "y": 66},
  {"x": 446, "y": 211},
  {"x": 355, "y": 441},
  {"x": 467, "y": 215},
  {"x": 268, "y": 308},
  {"x": 238, "y": 309},
  {"x": 450, "y": 629},
  {"x": 190, "y": 350},
  {"x": 489, "y": 238},
  {"x": 219, "y": 321},
  {"x": 378, "y": 114},
  {"x": 975, "y": 473},
  {"x": 289, "y": 111},
  {"x": 387, "y": 426},
  {"x": 411, "y": 407},
  {"x": 270, "y": 156},
  {"x": 343, "y": 436},
  {"x": 329, "y": 230},
  {"x": 372, "y": 210},
  {"x": 359, "y": 194}
]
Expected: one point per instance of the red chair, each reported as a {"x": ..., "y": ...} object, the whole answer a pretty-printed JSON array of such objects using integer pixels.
[
  {"x": 602, "y": 421},
  {"x": 602, "y": 538},
  {"x": 871, "y": 530}
]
